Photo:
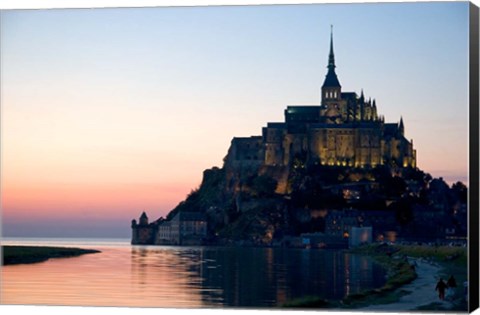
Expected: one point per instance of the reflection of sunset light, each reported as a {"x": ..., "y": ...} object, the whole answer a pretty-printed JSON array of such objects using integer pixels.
[
  {"x": 183, "y": 277},
  {"x": 86, "y": 282}
]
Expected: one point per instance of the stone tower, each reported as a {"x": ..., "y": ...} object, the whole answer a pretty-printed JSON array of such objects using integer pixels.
[
  {"x": 143, "y": 219},
  {"x": 143, "y": 232}
]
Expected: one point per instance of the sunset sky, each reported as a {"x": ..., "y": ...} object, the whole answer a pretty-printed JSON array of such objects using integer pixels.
[{"x": 109, "y": 112}]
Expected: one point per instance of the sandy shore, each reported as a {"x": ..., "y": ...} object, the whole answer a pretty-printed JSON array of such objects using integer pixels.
[{"x": 419, "y": 292}]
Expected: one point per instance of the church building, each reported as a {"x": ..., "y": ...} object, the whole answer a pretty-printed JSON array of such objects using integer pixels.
[{"x": 344, "y": 130}]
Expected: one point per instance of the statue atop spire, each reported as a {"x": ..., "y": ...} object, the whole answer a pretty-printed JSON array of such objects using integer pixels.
[{"x": 401, "y": 127}]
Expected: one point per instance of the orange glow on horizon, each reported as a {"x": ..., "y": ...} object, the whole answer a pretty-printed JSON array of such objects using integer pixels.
[{"x": 102, "y": 201}]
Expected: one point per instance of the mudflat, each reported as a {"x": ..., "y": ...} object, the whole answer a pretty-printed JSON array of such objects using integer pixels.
[{"x": 13, "y": 255}]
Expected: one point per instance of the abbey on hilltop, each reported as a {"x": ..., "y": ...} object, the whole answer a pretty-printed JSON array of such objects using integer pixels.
[{"x": 345, "y": 130}]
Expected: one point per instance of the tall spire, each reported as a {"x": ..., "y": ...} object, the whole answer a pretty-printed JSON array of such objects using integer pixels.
[
  {"x": 331, "y": 79},
  {"x": 331, "y": 56}
]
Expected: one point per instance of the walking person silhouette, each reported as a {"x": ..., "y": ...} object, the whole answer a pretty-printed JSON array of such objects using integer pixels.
[
  {"x": 451, "y": 284},
  {"x": 441, "y": 286}
]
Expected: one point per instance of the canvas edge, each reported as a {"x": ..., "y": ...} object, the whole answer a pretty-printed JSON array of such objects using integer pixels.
[
  {"x": 474, "y": 130},
  {"x": 473, "y": 234}
]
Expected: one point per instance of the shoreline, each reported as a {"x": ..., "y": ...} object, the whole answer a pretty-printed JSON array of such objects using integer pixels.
[
  {"x": 406, "y": 288},
  {"x": 399, "y": 273},
  {"x": 431, "y": 263},
  {"x": 17, "y": 254}
]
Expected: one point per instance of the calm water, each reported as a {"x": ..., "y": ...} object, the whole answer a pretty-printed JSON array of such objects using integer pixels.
[{"x": 125, "y": 275}]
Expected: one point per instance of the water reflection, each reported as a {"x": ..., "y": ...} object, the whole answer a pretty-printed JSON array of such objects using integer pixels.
[
  {"x": 172, "y": 276},
  {"x": 257, "y": 277},
  {"x": 190, "y": 277}
]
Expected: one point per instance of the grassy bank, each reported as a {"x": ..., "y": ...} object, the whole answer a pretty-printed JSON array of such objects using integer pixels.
[
  {"x": 309, "y": 302},
  {"x": 13, "y": 255},
  {"x": 439, "y": 254}
]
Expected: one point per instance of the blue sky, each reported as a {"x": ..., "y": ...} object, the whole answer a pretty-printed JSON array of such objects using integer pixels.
[{"x": 107, "y": 97}]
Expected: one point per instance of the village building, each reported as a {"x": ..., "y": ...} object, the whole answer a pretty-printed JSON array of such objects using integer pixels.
[
  {"x": 185, "y": 228},
  {"x": 341, "y": 222}
]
